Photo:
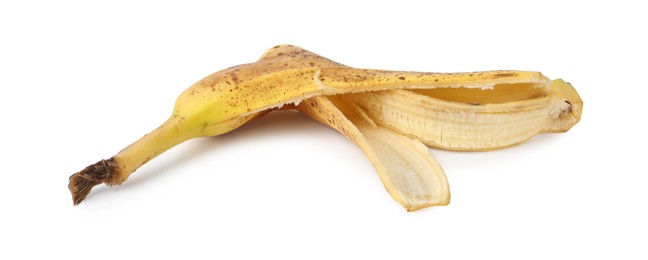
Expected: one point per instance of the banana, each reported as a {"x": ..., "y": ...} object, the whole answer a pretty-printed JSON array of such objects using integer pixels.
[{"x": 355, "y": 102}]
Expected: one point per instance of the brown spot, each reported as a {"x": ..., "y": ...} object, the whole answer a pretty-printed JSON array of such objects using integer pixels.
[
  {"x": 502, "y": 75},
  {"x": 234, "y": 78},
  {"x": 569, "y": 109},
  {"x": 401, "y": 78},
  {"x": 280, "y": 54}
]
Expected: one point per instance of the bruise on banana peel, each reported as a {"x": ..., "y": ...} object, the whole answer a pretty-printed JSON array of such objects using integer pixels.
[{"x": 367, "y": 106}]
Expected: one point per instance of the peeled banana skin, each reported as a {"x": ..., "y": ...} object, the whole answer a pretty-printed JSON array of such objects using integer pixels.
[
  {"x": 412, "y": 177},
  {"x": 452, "y": 125},
  {"x": 391, "y": 115}
]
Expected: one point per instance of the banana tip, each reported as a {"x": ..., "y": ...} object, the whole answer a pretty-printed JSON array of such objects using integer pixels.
[
  {"x": 81, "y": 183},
  {"x": 80, "y": 188}
]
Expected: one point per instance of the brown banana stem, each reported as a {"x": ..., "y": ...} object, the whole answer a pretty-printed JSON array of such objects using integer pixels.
[{"x": 82, "y": 182}]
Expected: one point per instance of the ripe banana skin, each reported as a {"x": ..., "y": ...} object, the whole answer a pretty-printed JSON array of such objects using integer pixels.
[
  {"x": 413, "y": 177},
  {"x": 391, "y": 115},
  {"x": 443, "y": 122}
]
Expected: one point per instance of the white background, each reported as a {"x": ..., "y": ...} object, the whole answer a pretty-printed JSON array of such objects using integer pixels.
[{"x": 79, "y": 81}]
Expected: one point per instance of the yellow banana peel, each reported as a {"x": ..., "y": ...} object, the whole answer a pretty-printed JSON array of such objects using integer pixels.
[{"x": 391, "y": 115}]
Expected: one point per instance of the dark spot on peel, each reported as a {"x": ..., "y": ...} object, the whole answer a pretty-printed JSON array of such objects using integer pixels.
[
  {"x": 401, "y": 78},
  {"x": 502, "y": 75},
  {"x": 234, "y": 78},
  {"x": 569, "y": 109}
]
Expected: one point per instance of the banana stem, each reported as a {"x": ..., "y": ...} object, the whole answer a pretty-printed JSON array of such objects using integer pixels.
[{"x": 118, "y": 168}]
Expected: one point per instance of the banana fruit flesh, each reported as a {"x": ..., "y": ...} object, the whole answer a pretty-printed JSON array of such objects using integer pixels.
[{"x": 390, "y": 115}]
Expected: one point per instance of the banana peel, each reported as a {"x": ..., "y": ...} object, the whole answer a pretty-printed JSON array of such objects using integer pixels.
[{"x": 390, "y": 115}]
